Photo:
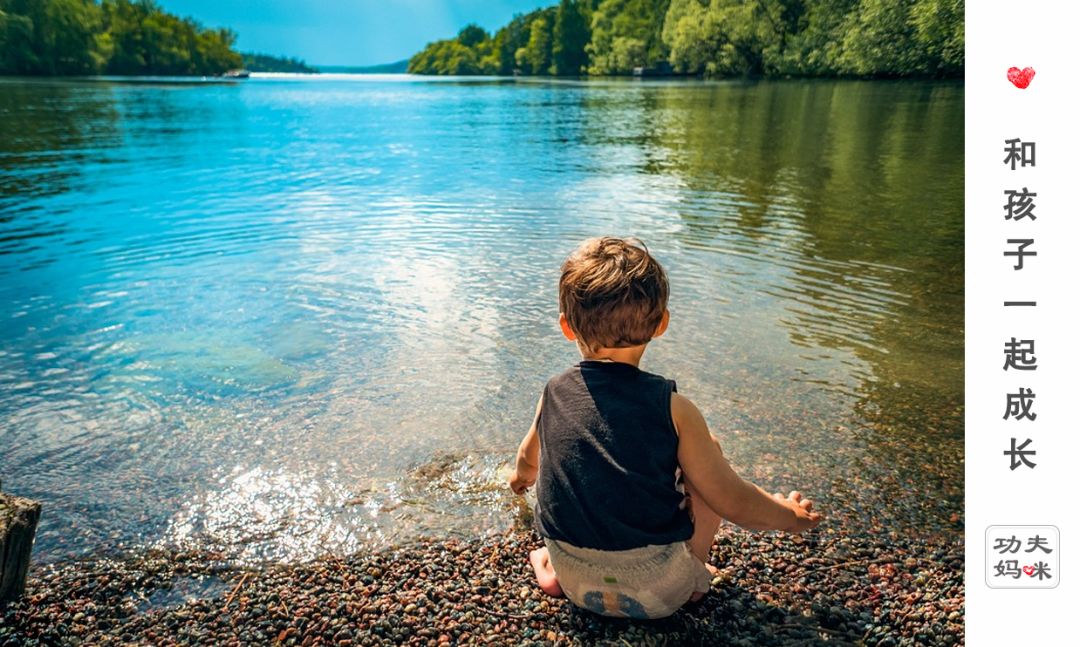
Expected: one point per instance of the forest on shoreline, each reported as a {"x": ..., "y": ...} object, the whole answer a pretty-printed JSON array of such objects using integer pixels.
[
  {"x": 121, "y": 37},
  {"x": 268, "y": 63},
  {"x": 713, "y": 38}
]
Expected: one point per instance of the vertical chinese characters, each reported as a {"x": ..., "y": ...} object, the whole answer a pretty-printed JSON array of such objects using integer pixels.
[{"x": 1019, "y": 354}]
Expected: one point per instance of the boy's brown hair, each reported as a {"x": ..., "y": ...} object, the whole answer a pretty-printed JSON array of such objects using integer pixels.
[{"x": 613, "y": 293}]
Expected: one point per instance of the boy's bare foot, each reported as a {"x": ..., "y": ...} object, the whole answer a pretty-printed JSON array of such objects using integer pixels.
[
  {"x": 545, "y": 574},
  {"x": 697, "y": 595}
]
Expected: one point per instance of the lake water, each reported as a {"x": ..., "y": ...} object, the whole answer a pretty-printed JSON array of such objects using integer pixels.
[{"x": 290, "y": 315}]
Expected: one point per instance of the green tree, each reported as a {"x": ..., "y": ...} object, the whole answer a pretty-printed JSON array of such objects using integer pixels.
[
  {"x": 716, "y": 38},
  {"x": 880, "y": 40},
  {"x": 472, "y": 52},
  {"x": 725, "y": 37},
  {"x": 923, "y": 37},
  {"x": 693, "y": 37},
  {"x": 16, "y": 44},
  {"x": 816, "y": 37},
  {"x": 816, "y": 48},
  {"x": 939, "y": 32},
  {"x": 511, "y": 38},
  {"x": 447, "y": 57},
  {"x": 255, "y": 62},
  {"x": 535, "y": 57},
  {"x": 569, "y": 38},
  {"x": 49, "y": 36},
  {"x": 144, "y": 39},
  {"x": 484, "y": 59},
  {"x": 215, "y": 50},
  {"x": 472, "y": 35},
  {"x": 627, "y": 34}
]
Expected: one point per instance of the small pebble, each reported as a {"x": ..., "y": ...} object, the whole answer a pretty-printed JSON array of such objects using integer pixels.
[{"x": 858, "y": 586}]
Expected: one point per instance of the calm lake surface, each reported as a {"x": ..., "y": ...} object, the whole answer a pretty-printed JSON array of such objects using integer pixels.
[{"x": 291, "y": 315}]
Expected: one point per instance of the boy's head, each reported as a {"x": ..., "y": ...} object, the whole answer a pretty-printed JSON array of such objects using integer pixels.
[{"x": 613, "y": 294}]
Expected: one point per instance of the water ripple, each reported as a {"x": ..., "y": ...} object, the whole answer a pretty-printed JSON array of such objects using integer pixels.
[{"x": 296, "y": 315}]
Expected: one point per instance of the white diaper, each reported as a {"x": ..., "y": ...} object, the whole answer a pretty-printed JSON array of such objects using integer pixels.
[{"x": 646, "y": 582}]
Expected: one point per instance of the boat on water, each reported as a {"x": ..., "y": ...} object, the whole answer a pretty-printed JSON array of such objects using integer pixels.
[
  {"x": 662, "y": 68},
  {"x": 236, "y": 74}
]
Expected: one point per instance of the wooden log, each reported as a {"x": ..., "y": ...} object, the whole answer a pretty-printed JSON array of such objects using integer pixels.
[{"x": 18, "y": 523}]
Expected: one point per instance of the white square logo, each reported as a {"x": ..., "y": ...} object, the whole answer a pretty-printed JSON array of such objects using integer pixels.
[{"x": 1022, "y": 557}]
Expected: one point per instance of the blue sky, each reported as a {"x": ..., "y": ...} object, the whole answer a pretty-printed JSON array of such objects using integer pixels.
[{"x": 347, "y": 32}]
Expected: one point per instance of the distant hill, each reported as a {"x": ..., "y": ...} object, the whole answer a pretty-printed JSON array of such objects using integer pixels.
[
  {"x": 397, "y": 67},
  {"x": 267, "y": 63}
]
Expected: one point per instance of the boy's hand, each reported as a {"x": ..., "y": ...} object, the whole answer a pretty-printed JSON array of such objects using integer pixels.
[
  {"x": 519, "y": 482},
  {"x": 528, "y": 457},
  {"x": 805, "y": 517}
]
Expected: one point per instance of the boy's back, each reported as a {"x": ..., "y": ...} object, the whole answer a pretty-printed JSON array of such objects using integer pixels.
[
  {"x": 609, "y": 451},
  {"x": 606, "y": 442}
]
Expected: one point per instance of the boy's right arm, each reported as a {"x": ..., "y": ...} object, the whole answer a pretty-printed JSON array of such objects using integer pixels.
[
  {"x": 527, "y": 463},
  {"x": 739, "y": 501}
]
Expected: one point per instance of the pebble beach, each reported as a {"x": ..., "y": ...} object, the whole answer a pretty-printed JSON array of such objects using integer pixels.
[{"x": 823, "y": 587}]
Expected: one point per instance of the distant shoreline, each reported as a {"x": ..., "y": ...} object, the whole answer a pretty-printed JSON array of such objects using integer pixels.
[
  {"x": 397, "y": 67},
  {"x": 551, "y": 80}
]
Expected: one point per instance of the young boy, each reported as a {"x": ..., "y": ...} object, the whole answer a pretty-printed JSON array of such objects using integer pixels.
[{"x": 606, "y": 447}]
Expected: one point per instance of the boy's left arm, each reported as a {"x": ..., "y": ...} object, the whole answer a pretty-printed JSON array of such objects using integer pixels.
[{"x": 528, "y": 457}]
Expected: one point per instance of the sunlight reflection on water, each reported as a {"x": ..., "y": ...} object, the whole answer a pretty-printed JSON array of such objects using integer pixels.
[{"x": 248, "y": 316}]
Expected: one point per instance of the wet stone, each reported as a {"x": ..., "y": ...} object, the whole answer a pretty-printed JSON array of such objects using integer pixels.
[{"x": 420, "y": 597}]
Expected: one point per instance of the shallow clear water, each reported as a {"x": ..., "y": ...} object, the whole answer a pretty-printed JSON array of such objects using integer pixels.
[{"x": 291, "y": 315}]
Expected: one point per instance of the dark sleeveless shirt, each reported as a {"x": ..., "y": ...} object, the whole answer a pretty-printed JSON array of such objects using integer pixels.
[{"x": 608, "y": 455}]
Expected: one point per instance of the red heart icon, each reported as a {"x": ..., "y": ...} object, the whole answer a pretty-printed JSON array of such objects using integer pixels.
[
  {"x": 1029, "y": 570},
  {"x": 1021, "y": 78}
]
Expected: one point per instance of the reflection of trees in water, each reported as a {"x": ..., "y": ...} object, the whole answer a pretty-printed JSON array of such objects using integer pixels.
[
  {"x": 843, "y": 201},
  {"x": 857, "y": 190},
  {"x": 49, "y": 131}
]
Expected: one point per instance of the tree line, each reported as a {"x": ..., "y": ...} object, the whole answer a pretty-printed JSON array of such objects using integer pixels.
[
  {"x": 880, "y": 38},
  {"x": 78, "y": 37},
  {"x": 254, "y": 62}
]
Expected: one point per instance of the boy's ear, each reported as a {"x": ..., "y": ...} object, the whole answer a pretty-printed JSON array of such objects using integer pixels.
[
  {"x": 662, "y": 327},
  {"x": 566, "y": 330}
]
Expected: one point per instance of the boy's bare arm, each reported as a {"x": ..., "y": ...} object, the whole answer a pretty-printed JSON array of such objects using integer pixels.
[
  {"x": 733, "y": 498},
  {"x": 528, "y": 457}
]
